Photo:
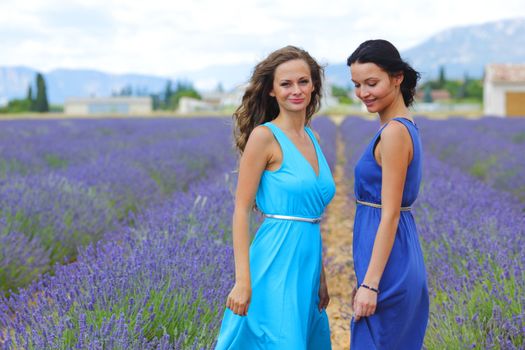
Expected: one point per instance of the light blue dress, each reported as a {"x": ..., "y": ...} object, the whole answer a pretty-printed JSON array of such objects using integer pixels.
[
  {"x": 402, "y": 310},
  {"x": 285, "y": 259}
]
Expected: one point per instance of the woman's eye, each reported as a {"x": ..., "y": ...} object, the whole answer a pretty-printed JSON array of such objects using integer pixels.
[{"x": 304, "y": 81}]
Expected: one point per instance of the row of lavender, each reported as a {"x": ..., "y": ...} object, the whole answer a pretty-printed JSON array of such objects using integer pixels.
[
  {"x": 157, "y": 279},
  {"x": 64, "y": 184},
  {"x": 161, "y": 285},
  {"x": 472, "y": 232},
  {"x": 490, "y": 149}
]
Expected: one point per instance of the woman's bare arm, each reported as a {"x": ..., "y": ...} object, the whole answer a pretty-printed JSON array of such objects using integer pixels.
[{"x": 395, "y": 150}]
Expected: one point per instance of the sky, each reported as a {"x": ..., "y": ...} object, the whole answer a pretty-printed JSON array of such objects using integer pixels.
[{"x": 167, "y": 38}]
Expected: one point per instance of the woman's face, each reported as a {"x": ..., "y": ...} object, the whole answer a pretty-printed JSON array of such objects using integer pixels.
[
  {"x": 374, "y": 86},
  {"x": 292, "y": 85}
]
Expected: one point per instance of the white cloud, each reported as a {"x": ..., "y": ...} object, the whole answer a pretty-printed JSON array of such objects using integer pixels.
[{"x": 166, "y": 38}]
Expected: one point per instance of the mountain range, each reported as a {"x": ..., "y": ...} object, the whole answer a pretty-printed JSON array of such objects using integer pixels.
[{"x": 460, "y": 50}]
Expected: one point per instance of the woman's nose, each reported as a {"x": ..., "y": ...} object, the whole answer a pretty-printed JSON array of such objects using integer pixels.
[{"x": 363, "y": 92}]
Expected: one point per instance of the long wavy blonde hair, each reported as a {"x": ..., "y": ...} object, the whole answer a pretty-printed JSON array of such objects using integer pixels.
[{"x": 258, "y": 107}]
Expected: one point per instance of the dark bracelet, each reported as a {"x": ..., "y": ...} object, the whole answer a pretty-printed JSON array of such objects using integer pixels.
[{"x": 370, "y": 288}]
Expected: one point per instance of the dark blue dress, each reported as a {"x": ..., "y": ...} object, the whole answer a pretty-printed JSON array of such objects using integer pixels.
[{"x": 401, "y": 315}]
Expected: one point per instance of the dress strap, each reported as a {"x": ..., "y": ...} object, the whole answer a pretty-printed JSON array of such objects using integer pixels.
[
  {"x": 405, "y": 121},
  {"x": 317, "y": 146},
  {"x": 281, "y": 139},
  {"x": 277, "y": 133},
  {"x": 311, "y": 134}
]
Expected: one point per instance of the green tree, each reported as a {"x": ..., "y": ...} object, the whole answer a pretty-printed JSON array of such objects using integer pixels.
[
  {"x": 474, "y": 89},
  {"x": 17, "y": 106},
  {"x": 182, "y": 89},
  {"x": 126, "y": 90},
  {"x": 29, "y": 98},
  {"x": 427, "y": 95},
  {"x": 29, "y": 93},
  {"x": 453, "y": 87},
  {"x": 168, "y": 93},
  {"x": 342, "y": 94},
  {"x": 41, "y": 103},
  {"x": 461, "y": 92},
  {"x": 442, "y": 80},
  {"x": 156, "y": 101}
]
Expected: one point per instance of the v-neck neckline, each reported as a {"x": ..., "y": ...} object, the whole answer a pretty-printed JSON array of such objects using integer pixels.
[{"x": 317, "y": 174}]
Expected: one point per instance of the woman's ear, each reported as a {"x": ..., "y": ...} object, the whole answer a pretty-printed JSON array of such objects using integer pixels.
[{"x": 398, "y": 78}]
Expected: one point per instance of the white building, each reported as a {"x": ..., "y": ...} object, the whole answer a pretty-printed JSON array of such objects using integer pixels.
[
  {"x": 129, "y": 105},
  {"x": 504, "y": 90},
  {"x": 191, "y": 105},
  {"x": 212, "y": 101}
]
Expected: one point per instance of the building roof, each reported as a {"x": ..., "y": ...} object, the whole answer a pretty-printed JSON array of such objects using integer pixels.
[
  {"x": 505, "y": 73},
  {"x": 437, "y": 94}
]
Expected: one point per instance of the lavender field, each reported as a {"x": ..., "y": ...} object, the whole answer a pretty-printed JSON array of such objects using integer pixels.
[{"x": 115, "y": 234}]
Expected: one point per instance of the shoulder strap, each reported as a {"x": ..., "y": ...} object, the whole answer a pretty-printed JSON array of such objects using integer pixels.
[
  {"x": 312, "y": 136},
  {"x": 278, "y": 134}
]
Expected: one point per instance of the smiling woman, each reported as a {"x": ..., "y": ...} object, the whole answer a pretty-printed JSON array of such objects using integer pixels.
[
  {"x": 280, "y": 294},
  {"x": 391, "y": 302}
]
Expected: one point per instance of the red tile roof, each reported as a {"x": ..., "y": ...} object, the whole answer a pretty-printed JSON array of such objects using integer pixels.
[{"x": 505, "y": 73}]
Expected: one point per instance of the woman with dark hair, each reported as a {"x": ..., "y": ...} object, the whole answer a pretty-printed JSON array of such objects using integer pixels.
[
  {"x": 391, "y": 300},
  {"x": 280, "y": 294}
]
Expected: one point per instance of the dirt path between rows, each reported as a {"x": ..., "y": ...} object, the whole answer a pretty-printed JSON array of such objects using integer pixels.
[{"x": 339, "y": 266}]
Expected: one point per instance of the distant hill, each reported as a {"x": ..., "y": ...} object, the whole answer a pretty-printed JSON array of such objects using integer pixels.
[
  {"x": 62, "y": 83},
  {"x": 468, "y": 49},
  {"x": 461, "y": 50}
]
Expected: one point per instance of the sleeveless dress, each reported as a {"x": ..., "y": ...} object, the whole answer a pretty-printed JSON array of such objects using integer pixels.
[
  {"x": 285, "y": 259},
  {"x": 402, "y": 308}
]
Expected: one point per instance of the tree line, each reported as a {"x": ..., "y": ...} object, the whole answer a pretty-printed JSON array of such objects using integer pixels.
[
  {"x": 168, "y": 99},
  {"x": 459, "y": 89},
  {"x": 32, "y": 102}
]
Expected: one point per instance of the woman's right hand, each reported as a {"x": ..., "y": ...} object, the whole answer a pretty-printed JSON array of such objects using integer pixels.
[{"x": 239, "y": 299}]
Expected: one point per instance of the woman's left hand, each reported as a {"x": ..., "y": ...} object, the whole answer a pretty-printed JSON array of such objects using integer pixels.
[
  {"x": 324, "y": 298},
  {"x": 365, "y": 303}
]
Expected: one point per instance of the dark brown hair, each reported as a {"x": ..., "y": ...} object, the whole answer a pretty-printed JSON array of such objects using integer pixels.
[
  {"x": 258, "y": 107},
  {"x": 386, "y": 56}
]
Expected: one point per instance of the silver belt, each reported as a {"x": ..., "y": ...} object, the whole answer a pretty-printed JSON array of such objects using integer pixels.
[
  {"x": 294, "y": 218},
  {"x": 379, "y": 206}
]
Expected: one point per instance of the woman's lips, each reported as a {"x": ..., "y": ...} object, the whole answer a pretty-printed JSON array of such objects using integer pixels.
[{"x": 297, "y": 100}]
